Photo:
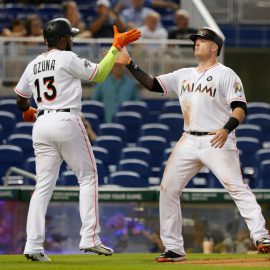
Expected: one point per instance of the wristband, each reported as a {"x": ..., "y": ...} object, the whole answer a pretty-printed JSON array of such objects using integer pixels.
[{"x": 231, "y": 124}]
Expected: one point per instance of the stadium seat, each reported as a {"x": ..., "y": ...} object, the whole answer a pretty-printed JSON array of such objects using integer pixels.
[
  {"x": 94, "y": 107},
  {"x": 7, "y": 121},
  {"x": 10, "y": 105},
  {"x": 68, "y": 178},
  {"x": 126, "y": 179},
  {"x": 153, "y": 129},
  {"x": 262, "y": 120},
  {"x": 114, "y": 146},
  {"x": 175, "y": 122},
  {"x": 29, "y": 166},
  {"x": 112, "y": 129},
  {"x": 141, "y": 153},
  {"x": 136, "y": 106},
  {"x": 1, "y": 134},
  {"x": 249, "y": 130},
  {"x": 93, "y": 119},
  {"x": 172, "y": 106},
  {"x": 10, "y": 156},
  {"x": 24, "y": 128},
  {"x": 156, "y": 146},
  {"x": 258, "y": 107},
  {"x": 101, "y": 153},
  {"x": 201, "y": 179},
  {"x": 262, "y": 154},
  {"x": 103, "y": 172},
  {"x": 135, "y": 165},
  {"x": 167, "y": 153},
  {"x": 132, "y": 122},
  {"x": 249, "y": 146},
  {"x": 264, "y": 174},
  {"x": 24, "y": 141}
]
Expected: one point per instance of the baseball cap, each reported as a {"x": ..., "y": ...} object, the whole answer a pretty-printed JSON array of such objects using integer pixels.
[
  {"x": 105, "y": 3},
  {"x": 210, "y": 34}
]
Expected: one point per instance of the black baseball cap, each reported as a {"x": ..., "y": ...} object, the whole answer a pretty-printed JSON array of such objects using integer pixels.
[{"x": 210, "y": 34}]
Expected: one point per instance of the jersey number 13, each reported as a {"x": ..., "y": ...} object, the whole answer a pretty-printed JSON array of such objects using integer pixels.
[{"x": 51, "y": 92}]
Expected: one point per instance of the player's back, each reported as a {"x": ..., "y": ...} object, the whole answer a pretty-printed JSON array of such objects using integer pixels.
[{"x": 51, "y": 81}]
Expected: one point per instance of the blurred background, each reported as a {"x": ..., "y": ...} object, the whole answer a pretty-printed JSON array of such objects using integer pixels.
[{"x": 132, "y": 131}]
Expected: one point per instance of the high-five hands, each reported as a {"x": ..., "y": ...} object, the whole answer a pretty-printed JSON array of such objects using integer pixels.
[{"x": 120, "y": 40}]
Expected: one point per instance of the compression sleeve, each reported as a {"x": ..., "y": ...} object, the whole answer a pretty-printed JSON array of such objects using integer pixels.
[
  {"x": 239, "y": 104},
  {"x": 146, "y": 79},
  {"x": 105, "y": 66}
]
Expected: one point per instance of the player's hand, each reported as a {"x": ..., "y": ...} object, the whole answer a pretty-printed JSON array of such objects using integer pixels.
[
  {"x": 220, "y": 137},
  {"x": 120, "y": 40},
  {"x": 30, "y": 115},
  {"x": 123, "y": 57}
]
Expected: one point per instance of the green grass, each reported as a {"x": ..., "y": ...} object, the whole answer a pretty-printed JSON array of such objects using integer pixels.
[{"x": 125, "y": 262}]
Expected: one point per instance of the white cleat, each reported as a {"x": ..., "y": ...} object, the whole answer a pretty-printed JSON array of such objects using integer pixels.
[
  {"x": 40, "y": 257},
  {"x": 99, "y": 249}
]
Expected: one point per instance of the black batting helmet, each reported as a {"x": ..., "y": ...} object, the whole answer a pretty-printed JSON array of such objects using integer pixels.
[
  {"x": 57, "y": 28},
  {"x": 208, "y": 33}
]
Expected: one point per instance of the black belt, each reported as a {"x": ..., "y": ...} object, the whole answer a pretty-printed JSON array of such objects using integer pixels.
[
  {"x": 59, "y": 110},
  {"x": 197, "y": 133}
]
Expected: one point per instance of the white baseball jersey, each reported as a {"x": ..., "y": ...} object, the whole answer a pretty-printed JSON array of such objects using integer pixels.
[
  {"x": 54, "y": 79},
  {"x": 205, "y": 97}
]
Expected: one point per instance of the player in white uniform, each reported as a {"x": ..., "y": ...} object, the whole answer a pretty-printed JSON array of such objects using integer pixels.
[
  {"x": 213, "y": 104},
  {"x": 54, "y": 79}
]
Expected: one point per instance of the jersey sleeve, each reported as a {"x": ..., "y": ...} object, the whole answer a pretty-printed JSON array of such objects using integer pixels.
[
  {"x": 23, "y": 88},
  {"x": 233, "y": 87},
  {"x": 168, "y": 82},
  {"x": 82, "y": 69}
]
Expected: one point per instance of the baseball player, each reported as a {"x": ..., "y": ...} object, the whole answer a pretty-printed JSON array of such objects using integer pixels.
[
  {"x": 54, "y": 79},
  {"x": 213, "y": 104}
]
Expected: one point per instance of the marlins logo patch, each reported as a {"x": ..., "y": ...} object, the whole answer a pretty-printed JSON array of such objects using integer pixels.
[
  {"x": 87, "y": 63},
  {"x": 238, "y": 89}
]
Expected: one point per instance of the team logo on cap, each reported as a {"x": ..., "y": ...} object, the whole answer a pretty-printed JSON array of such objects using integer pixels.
[{"x": 238, "y": 89}]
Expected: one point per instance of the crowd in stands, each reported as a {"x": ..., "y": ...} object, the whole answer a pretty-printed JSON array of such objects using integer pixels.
[{"x": 155, "y": 18}]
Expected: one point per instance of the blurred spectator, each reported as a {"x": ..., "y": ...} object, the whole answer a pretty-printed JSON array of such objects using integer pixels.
[
  {"x": 34, "y": 26},
  {"x": 106, "y": 18},
  {"x": 72, "y": 13},
  {"x": 152, "y": 30},
  {"x": 135, "y": 15},
  {"x": 17, "y": 29},
  {"x": 181, "y": 29},
  {"x": 118, "y": 87},
  {"x": 119, "y": 5}
]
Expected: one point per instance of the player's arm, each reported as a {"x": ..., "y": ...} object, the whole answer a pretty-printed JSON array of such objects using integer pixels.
[
  {"x": 146, "y": 79},
  {"x": 239, "y": 112},
  {"x": 120, "y": 40},
  {"x": 29, "y": 113}
]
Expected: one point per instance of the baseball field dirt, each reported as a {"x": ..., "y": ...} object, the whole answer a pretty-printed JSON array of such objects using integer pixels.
[{"x": 138, "y": 262}]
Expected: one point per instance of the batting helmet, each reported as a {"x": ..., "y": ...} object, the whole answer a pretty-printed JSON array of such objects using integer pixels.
[
  {"x": 57, "y": 28},
  {"x": 210, "y": 34}
]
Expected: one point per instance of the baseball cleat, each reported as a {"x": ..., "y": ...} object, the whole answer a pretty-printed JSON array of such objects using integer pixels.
[
  {"x": 263, "y": 245},
  {"x": 99, "y": 249},
  {"x": 170, "y": 256},
  {"x": 41, "y": 257}
]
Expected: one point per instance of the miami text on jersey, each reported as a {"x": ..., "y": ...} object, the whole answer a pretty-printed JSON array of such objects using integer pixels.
[
  {"x": 44, "y": 66},
  {"x": 190, "y": 87}
]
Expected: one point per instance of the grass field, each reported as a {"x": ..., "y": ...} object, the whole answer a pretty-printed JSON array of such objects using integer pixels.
[{"x": 138, "y": 262}]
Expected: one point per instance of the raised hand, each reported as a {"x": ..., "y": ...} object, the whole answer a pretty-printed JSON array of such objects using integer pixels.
[
  {"x": 122, "y": 39},
  {"x": 123, "y": 57}
]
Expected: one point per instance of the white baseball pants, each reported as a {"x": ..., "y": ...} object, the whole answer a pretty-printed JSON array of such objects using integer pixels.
[
  {"x": 59, "y": 136},
  {"x": 187, "y": 158}
]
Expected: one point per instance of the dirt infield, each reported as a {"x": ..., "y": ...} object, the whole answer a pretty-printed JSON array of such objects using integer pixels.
[{"x": 241, "y": 262}]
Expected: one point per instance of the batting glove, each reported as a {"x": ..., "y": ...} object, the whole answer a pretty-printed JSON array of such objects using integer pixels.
[
  {"x": 30, "y": 115},
  {"x": 120, "y": 40}
]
